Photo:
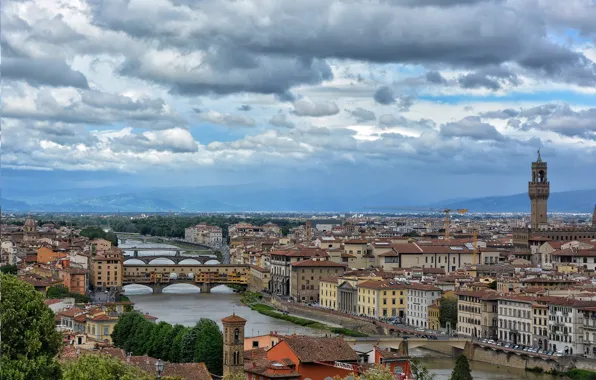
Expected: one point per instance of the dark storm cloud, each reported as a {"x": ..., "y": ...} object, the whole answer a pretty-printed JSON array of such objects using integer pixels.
[
  {"x": 40, "y": 71},
  {"x": 222, "y": 75},
  {"x": 435, "y": 77},
  {"x": 384, "y": 95},
  {"x": 471, "y": 127},
  {"x": 367, "y": 31},
  {"x": 492, "y": 78},
  {"x": 362, "y": 115},
  {"x": 501, "y": 114}
]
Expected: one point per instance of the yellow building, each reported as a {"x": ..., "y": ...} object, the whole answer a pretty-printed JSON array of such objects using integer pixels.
[
  {"x": 107, "y": 269},
  {"x": 386, "y": 298},
  {"x": 328, "y": 292},
  {"x": 100, "y": 325},
  {"x": 434, "y": 320}
]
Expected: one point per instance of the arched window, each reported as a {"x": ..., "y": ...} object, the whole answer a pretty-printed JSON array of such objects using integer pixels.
[
  {"x": 236, "y": 358},
  {"x": 236, "y": 336}
]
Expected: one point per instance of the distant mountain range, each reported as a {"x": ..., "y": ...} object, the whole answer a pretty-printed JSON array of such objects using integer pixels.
[{"x": 251, "y": 198}]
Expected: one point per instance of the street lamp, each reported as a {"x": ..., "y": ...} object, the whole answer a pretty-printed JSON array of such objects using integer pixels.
[{"x": 159, "y": 368}]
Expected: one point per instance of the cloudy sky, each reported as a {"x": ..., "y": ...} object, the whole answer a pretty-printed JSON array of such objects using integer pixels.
[{"x": 432, "y": 98}]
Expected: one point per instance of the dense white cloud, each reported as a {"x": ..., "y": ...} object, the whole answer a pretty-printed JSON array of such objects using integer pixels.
[{"x": 306, "y": 107}]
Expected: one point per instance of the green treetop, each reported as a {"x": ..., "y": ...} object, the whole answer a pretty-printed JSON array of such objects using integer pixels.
[
  {"x": 28, "y": 329},
  {"x": 461, "y": 371}
]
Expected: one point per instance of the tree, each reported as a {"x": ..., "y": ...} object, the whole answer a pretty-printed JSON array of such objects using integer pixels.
[
  {"x": 188, "y": 346},
  {"x": 125, "y": 327},
  {"x": 96, "y": 232},
  {"x": 461, "y": 371},
  {"x": 448, "y": 312},
  {"x": 210, "y": 346},
  {"x": 158, "y": 335},
  {"x": 493, "y": 285},
  {"x": 285, "y": 230},
  {"x": 9, "y": 269},
  {"x": 28, "y": 329},
  {"x": 102, "y": 367},
  {"x": 419, "y": 371},
  {"x": 61, "y": 291},
  {"x": 172, "y": 344}
]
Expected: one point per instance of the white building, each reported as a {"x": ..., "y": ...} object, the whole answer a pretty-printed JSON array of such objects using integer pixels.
[
  {"x": 565, "y": 325},
  {"x": 420, "y": 296},
  {"x": 8, "y": 253},
  {"x": 515, "y": 320},
  {"x": 204, "y": 234}
]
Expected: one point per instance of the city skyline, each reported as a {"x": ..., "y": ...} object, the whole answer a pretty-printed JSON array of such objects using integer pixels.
[{"x": 364, "y": 94}]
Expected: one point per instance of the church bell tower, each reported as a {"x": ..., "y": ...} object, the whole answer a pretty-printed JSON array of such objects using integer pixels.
[
  {"x": 233, "y": 344},
  {"x": 538, "y": 191}
]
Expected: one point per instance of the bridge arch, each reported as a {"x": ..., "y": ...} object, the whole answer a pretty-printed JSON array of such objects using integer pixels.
[
  {"x": 189, "y": 261},
  {"x": 161, "y": 261},
  {"x": 212, "y": 262},
  {"x": 134, "y": 262}
]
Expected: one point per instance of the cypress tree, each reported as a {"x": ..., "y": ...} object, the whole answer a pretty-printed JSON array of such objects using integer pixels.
[{"x": 461, "y": 371}]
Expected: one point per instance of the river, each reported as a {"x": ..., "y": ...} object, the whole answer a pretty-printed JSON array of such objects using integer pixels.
[{"x": 185, "y": 305}]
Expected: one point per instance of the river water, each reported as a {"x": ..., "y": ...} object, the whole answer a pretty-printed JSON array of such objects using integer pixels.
[{"x": 185, "y": 305}]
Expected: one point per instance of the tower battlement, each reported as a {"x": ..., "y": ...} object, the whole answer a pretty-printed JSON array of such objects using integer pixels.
[{"x": 539, "y": 191}]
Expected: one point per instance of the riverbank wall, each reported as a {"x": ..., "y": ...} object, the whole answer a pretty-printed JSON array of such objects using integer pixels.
[
  {"x": 329, "y": 316},
  {"x": 509, "y": 359}
]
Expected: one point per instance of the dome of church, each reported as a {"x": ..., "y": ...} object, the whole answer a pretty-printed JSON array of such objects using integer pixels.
[{"x": 30, "y": 225}]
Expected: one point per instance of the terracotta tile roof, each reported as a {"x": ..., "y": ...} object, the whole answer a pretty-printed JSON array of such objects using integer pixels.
[
  {"x": 576, "y": 252},
  {"x": 189, "y": 371},
  {"x": 317, "y": 263},
  {"x": 320, "y": 349},
  {"x": 70, "y": 312},
  {"x": 418, "y": 286},
  {"x": 409, "y": 248},
  {"x": 258, "y": 268},
  {"x": 356, "y": 241},
  {"x": 254, "y": 354},
  {"x": 382, "y": 285},
  {"x": 52, "y": 301},
  {"x": 233, "y": 318},
  {"x": 99, "y": 317},
  {"x": 269, "y": 368}
]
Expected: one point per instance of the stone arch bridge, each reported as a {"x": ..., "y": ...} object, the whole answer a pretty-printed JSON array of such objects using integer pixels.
[
  {"x": 205, "y": 277},
  {"x": 176, "y": 259}
]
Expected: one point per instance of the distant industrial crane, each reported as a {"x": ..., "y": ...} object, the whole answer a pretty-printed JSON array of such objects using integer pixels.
[{"x": 446, "y": 211}]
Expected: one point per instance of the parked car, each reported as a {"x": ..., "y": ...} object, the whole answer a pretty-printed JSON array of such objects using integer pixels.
[{"x": 490, "y": 341}]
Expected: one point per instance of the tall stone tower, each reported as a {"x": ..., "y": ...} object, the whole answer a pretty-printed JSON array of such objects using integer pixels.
[
  {"x": 233, "y": 344},
  {"x": 594, "y": 217},
  {"x": 539, "y": 190}
]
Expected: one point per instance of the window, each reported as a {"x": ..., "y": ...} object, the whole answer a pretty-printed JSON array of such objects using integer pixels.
[
  {"x": 255, "y": 344},
  {"x": 236, "y": 336}
]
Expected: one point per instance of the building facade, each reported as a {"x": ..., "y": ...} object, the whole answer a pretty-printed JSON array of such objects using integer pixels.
[
  {"x": 419, "y": 298},
  {"x": 306, "y": 275},
  {"x": 382, "y": 298},
  {"x": 107, "y": 269},
  {"x": 515, "y": 320}
]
